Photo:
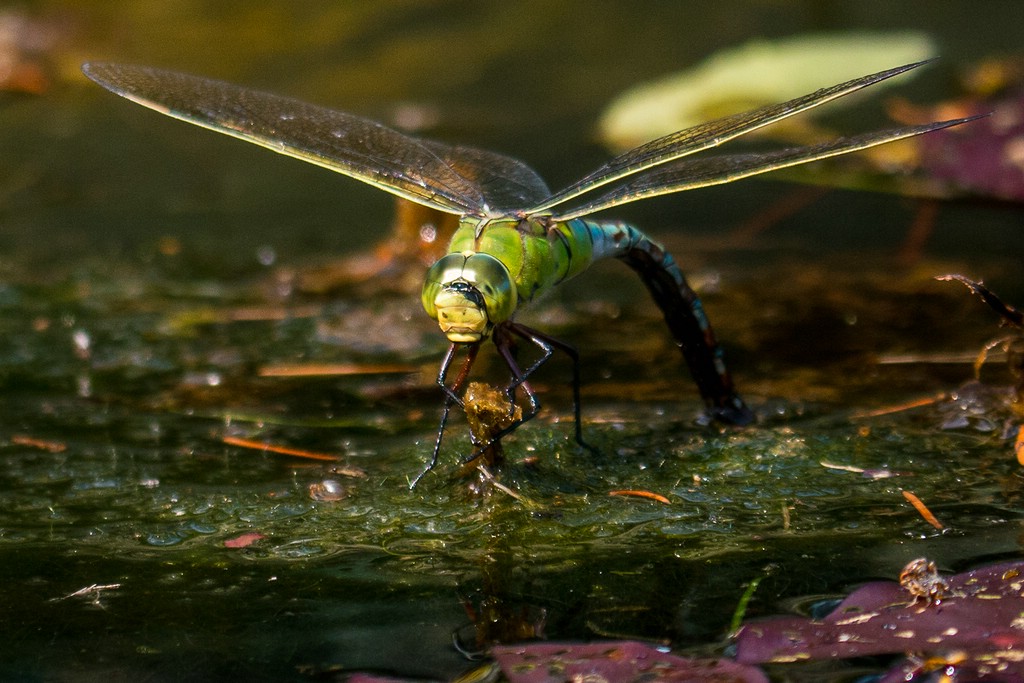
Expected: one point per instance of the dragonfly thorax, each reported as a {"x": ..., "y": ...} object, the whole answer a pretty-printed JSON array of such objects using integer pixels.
[{"x": 468, "y": 293}]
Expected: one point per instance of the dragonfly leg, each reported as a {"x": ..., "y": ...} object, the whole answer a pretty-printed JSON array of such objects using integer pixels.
[
  {"x": 548, "y": 343},
  {"x": 451, "y": 396},
  {"x": 520, "y": 378}
]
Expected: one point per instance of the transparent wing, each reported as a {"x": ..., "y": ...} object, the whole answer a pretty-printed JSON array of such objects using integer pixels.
[
  {"x": 689, "y": 174},
  {"x": 706, "y": 135},
  {"x": 506, "y": 184},
  {"x": 451, "y": 179}
]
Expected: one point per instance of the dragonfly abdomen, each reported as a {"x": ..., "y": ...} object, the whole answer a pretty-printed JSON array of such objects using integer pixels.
[{"x": 682, "y": 308}]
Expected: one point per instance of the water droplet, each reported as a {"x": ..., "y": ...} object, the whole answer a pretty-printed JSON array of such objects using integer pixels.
[
  {"x": 266, "y": 255},
  {"x": 328, "y": 491}
]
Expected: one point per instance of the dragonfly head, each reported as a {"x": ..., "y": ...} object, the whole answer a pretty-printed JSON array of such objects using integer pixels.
[{"x": 467, "y": 294}]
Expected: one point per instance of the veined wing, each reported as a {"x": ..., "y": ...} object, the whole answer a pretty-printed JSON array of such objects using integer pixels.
[
  {"x": 707, "y": 135},
  {"x": 451, "y": 179},
  {"x": 689, "y": 174},
  {"x": 507, "y": 184}
]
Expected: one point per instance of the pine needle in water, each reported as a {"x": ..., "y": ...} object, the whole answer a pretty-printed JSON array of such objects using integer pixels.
[
  {"x": 923, "y": 510},
  {"x": 650, "y": 495},
  {"x": 295, "y": 452}
]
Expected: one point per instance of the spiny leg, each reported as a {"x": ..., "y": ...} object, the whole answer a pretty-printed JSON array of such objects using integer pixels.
[
  {"x": 541, "y": 339},
  {"x": 451, "y": 396},
  {"x": 520, "y": 378}
]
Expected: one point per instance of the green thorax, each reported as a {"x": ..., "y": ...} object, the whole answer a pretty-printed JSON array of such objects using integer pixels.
[
  {"x": 537, "y": 252},
  {"x": 495, "y": 265}
]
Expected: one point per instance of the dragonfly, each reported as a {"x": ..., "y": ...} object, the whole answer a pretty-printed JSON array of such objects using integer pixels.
[{"x": 516, "y": 239}]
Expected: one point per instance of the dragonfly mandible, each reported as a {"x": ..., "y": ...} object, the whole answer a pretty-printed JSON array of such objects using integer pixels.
[{"x": 516, "y": 239}]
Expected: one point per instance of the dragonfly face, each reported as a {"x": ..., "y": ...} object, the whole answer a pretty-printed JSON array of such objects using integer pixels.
[{"x": 468, "y": 293}]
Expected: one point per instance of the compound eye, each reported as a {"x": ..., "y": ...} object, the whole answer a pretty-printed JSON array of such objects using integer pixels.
[
  {"x": 491, "y": 278},
  {"x": 445, "y": 271}
]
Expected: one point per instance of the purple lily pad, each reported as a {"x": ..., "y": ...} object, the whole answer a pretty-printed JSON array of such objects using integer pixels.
[
  {"x": 373, "y": 678},
  {"x": 977, "y": 627},
  {"x": 983, "y": 157},
  {"x": 614, "y": 662}
]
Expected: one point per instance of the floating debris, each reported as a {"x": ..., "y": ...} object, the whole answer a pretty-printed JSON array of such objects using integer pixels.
[
  {"x": 650, "y": 495},
  {"x": 48, "y": 445},
  {"x": 295, "y": 452},
  {"x": 923, "y": 510},
  {"x": 489, "y": 412},
  {"x": 335, "y": 369},
  {"x": 1012, "y": 344},
  {"x": 244, "y": 540},
  {"x": 922, "y": 580}
]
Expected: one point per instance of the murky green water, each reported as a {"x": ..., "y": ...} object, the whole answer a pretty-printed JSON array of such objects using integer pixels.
[{"x": 150, "y": 276}]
